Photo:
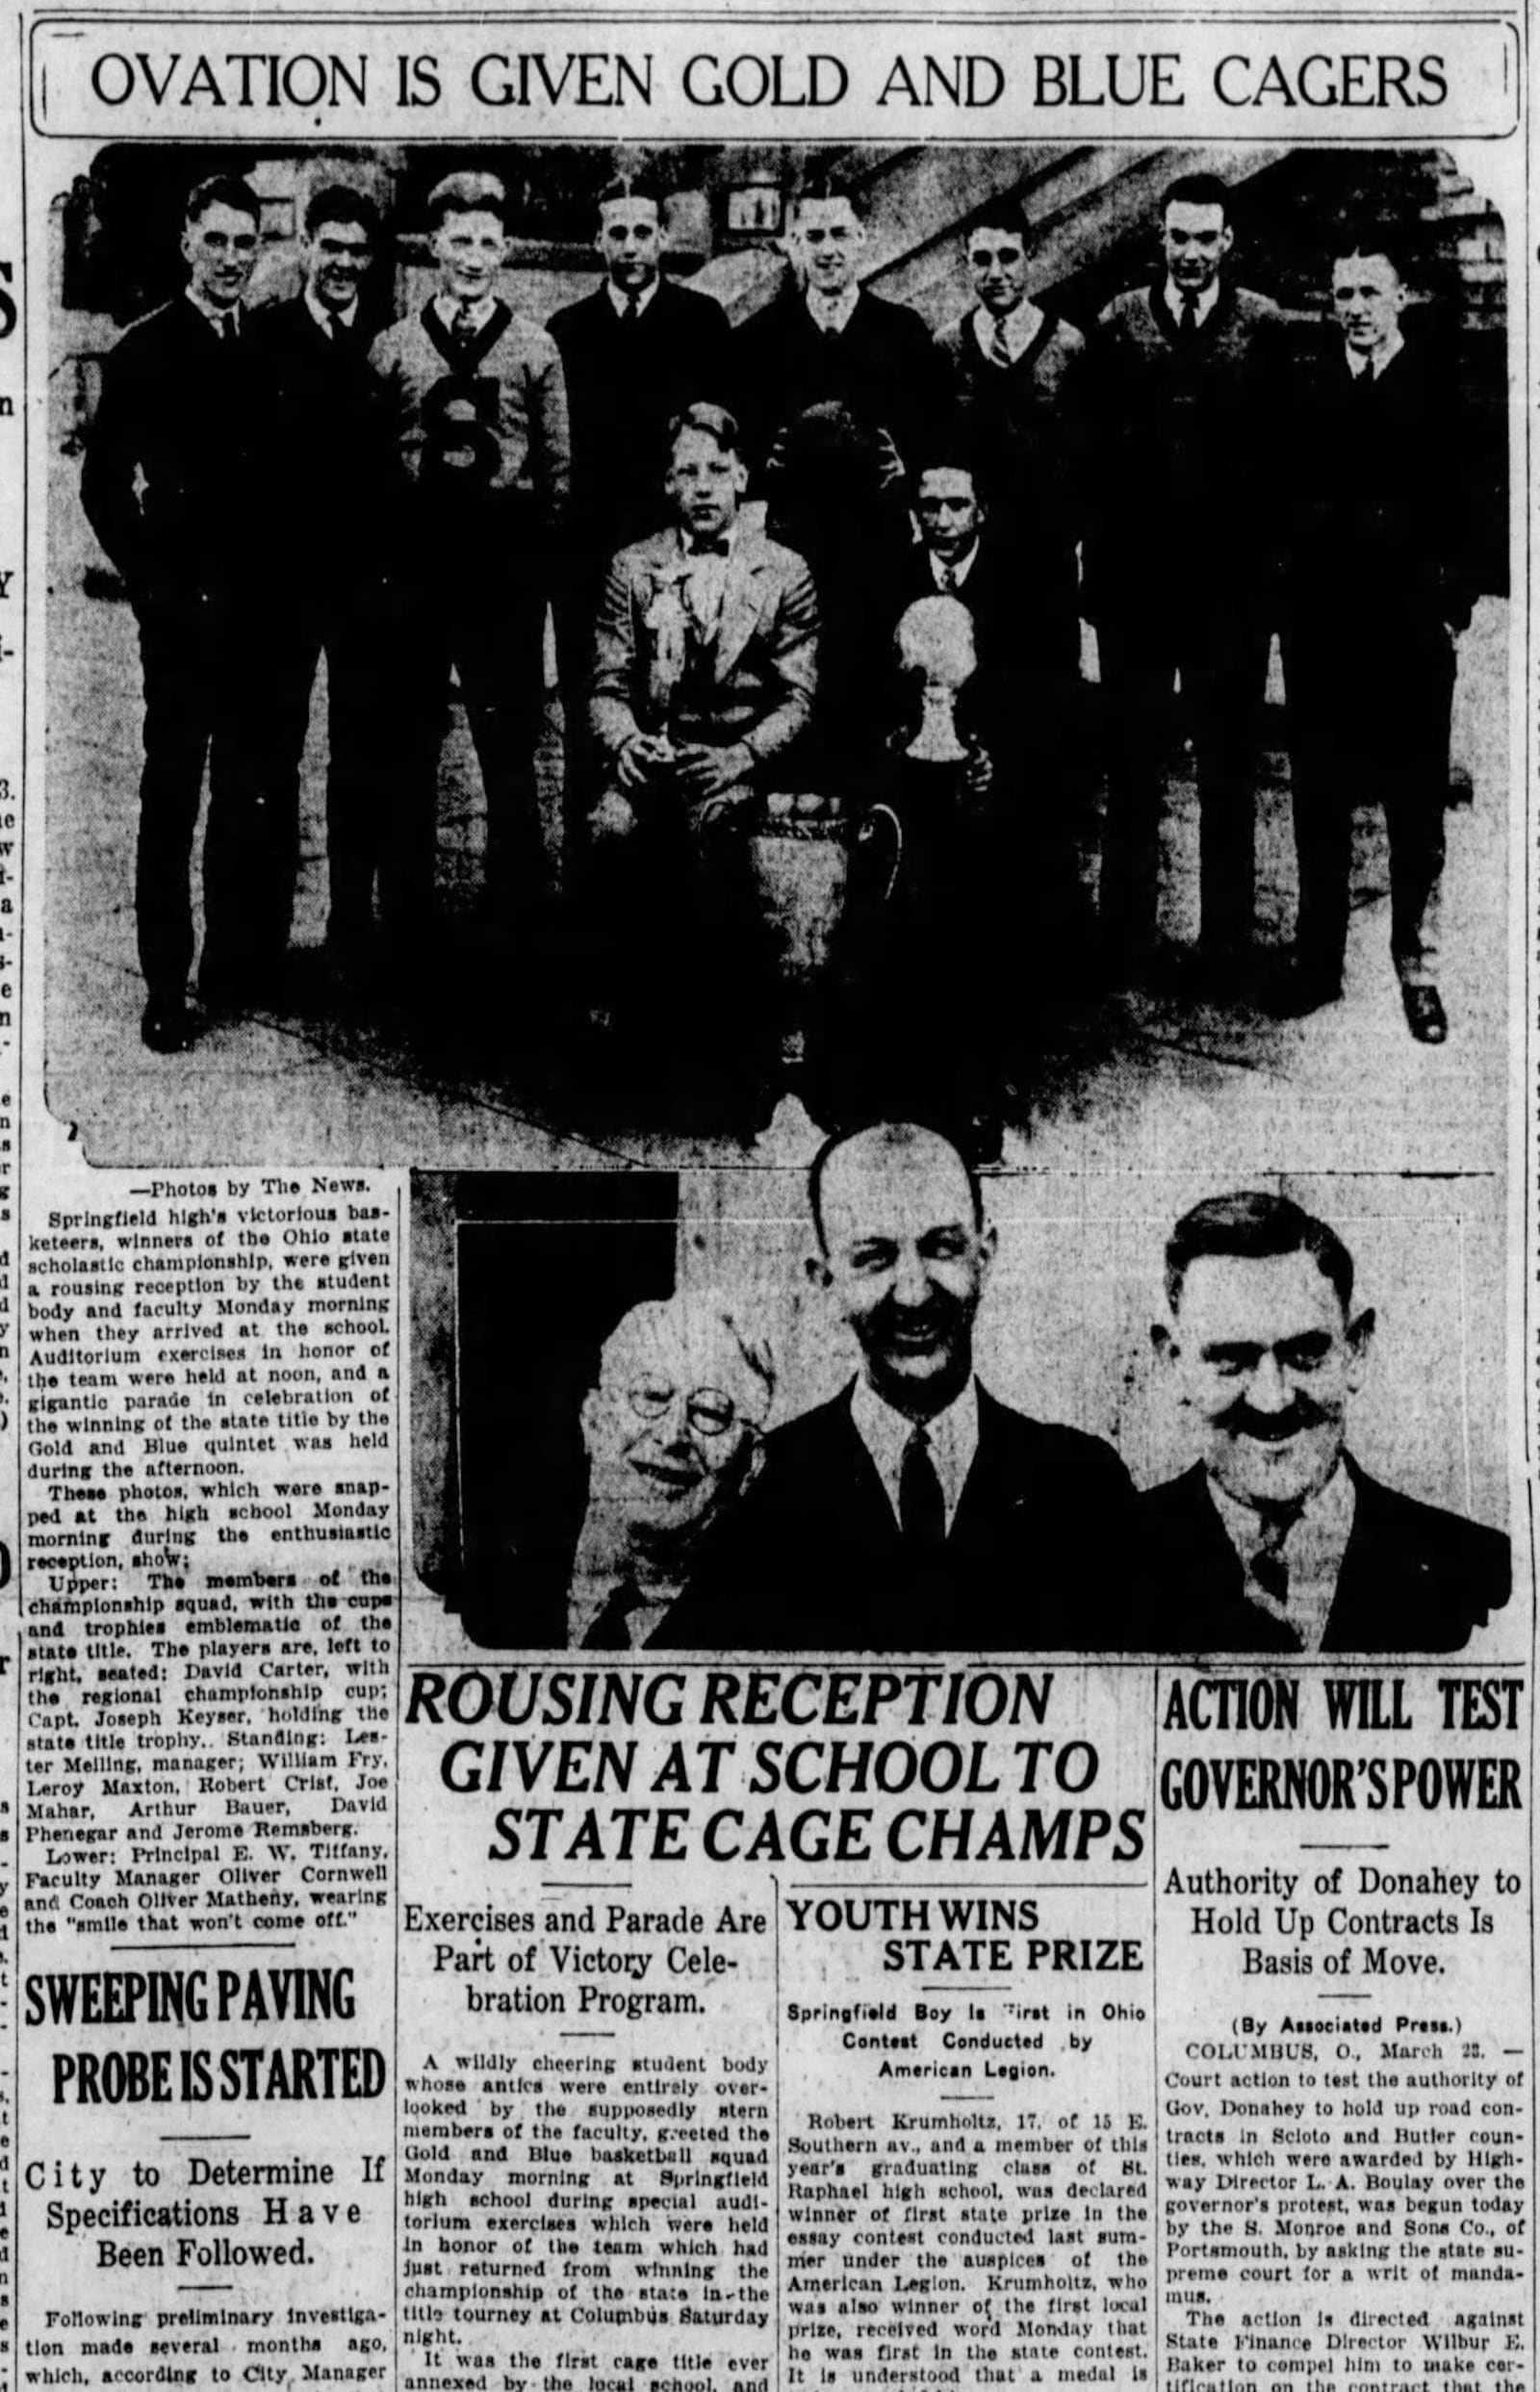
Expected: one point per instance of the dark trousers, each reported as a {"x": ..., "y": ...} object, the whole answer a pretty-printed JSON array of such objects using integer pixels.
[
  {"x": 200, "y": 707},
  {"x": 474, "y": 602},
  {"x": 1223, "y": 668},
  {"x": 918, "y": 1022},
  {"x": 672, "y": 929},
  {"x": 346, "y": 624},
  {"x": 1369, "y": 722}
]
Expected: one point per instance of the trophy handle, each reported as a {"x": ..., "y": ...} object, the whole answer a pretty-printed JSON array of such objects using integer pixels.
[{"x": 868, "y": 834}]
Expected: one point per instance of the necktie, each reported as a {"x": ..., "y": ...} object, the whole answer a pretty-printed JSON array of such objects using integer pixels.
[
  {"x": 1270, "y": 1565},
  {"x": 1186, "y": 321},
  {"x": 921, "y": 1504},
  {"x": 999, "y": 345},
  {"x": 608, "y": 1632},
  {"x": 229, "y": 325},
  {"x": 632, "y": 312},
  {"x": 721, "y": 546},
  {"x": 464, "y": 324}
]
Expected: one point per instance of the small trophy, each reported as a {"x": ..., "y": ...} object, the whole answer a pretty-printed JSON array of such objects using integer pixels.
[{"x": 935, "y": 639}]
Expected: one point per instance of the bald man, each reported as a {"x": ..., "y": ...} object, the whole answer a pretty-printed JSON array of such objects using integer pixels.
[
  {"x": 673, "y": 1431},
  {"x": 915, "y": 1513}
]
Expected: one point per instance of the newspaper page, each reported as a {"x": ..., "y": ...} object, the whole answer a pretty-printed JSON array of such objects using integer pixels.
[{"x": 767, "y": 1099}]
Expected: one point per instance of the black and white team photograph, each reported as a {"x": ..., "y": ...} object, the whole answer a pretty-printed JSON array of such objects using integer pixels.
[{"x": 574, "y": 658}]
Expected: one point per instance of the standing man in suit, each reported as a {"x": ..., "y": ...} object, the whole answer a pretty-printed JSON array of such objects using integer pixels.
[
  {"x": 1277, "y": 1540},
  {"x": 636, "y": 353},
  {"x": 1183, "y": 381},
  {"x": 705, "y": 668},
  {"x": 173, "y": 488},
  {"x": 674, "y": 1432},
  {"x": 1375, "y": 601},
  {"x": 914, "y": 1511},
  {"x": 331, "y": 493},
  {"x": 823, "y": 341},
  {"x": 1011, "y": 374},
  {"x": 475, "y": 404}
]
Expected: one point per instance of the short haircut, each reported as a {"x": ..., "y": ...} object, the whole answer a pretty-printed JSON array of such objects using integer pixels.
[
  {"x": 1009, "y": 218},
  {"x": 1256, "y": 1226},
  {"x": 691, "y": 1310},
  {"x": 829, "y": 184},
  {"x": 337, "y": 204},
  {"x": 221, "y": 191},
  {"x": 1196, "y": 190},
  {"x": 643, "y": 183},
  {"x": 1373, "y": 240},
  {"x": 465, "y": 194},
  {"x": 954, "y": 456},
  {"x": 893, "y": 1134},
  {"x": 715, "y": 421}
]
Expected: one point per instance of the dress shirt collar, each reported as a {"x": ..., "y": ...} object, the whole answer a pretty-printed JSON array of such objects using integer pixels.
[
  {"x": 620, "y": 300},
  {"x": 954, "y": 1440},
  {"x": 329, "y": 318},
  {"x": 447, "y": 312},
  {"x": 1361, "y": 361},
  {"x": 957, "y": 573},
  {"x": 1207, "y": 300},
  {"x": 218, "y": 317},
  {"x": 1021, "y": 327},
  {"x": 1311, "y": 1552},
  {"x": 833, "y": 315}
]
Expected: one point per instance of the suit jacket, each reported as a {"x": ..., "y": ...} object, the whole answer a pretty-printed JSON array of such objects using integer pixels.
[
  {"x": 331, "y": 462},
  {"x": 175, "y": 480},
  {"x": 1413, "y": 1579},
  {"x": 1039, "y": 1557},
  {"x": 1376, "y": 522},
  {"x": 882, "y": 367},
  {"x": 1184, "y": 436},
  {"x": 757, "y": 682},
  {"x": 625, "y": 385},
  {"x": 1026, "y": 632}
]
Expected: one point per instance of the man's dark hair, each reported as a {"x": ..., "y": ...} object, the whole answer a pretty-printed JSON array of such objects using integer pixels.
[
  {"x": 337, "y": 204},
  {"x": 1005, "y": 216},
  {"x": 1196, "y": 190},
  {"x": 827, "y": 183},
  {"x": 949, "y": 456},
  {"x": 899, "y": 1133},
  {"x": 715, "y": 421},
  {"x": 1375, "y": 241},
  {"x": 1256, "y": 1226},
  {"x": 221, "y": 191},
  {"x": 642, "y": 184}
]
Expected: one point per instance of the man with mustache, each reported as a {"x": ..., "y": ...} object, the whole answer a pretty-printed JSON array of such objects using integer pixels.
[
  {"x": 914, "y": 1511},
  {"x": 1277, "y": 1540}
]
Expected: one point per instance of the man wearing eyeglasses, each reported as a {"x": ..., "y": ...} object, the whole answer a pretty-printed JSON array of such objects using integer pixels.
[{"x": 672, "y": 1431}]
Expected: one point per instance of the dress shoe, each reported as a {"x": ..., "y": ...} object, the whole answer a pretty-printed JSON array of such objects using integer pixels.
[
  {"x": 1302, "y": 989},
  {"x": 1425, "y": 1017},
  {"x": 171, "y": 1028}
]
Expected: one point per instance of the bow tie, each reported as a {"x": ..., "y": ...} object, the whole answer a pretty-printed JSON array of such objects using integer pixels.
[{"x": 721, "y": 546}]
